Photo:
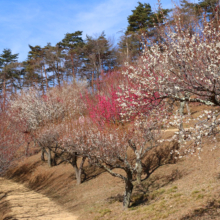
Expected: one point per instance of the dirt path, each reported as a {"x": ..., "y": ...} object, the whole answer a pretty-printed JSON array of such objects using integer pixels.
[
  {"x": 173, "y": 130},
  {"x": 27, "y": 204}
]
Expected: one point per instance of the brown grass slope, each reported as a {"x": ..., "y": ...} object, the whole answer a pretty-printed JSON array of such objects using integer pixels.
[
  {"x": 189, "y": 189},
  {"x": 23, "y": 203}
]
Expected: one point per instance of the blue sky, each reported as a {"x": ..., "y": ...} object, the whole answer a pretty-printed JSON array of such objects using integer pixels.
[{"x": 38, "y": 22}]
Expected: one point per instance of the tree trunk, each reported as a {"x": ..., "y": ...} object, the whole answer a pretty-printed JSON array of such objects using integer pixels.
[
  {"x": 54, "y": 159},
  {"x": 93, "y": 81},
  {"x": 73, "y": 72},
  {"x": 42, "y": 154},
  {"x": 78, "y": 170},
  {"x": 45, "y": 73},
  {"x": 58, "y": 75},
  {"x": 127, "y": 49},
  {"x": 128, "y": 189},
  {"x": 100, "y": 66},
  {"x": 139, "y": 170},
  {"x": 27, "y": 149},
  {"x": 182, "y": 104},
  {"x": 188, "y": 109},
  {"x": 41, "y": 71},
  {"x": 49, "y": 158},
  {"x": 4, "y": 94}
]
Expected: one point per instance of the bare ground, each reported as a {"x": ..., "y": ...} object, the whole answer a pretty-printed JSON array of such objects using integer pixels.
[{"x": 23, "y": 203}]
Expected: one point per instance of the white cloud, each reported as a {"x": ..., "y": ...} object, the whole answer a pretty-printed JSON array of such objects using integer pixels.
[{"x": 38, "y": 22}]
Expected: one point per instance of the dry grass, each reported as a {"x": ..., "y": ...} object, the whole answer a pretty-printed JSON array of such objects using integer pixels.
[
  {"x": 189, "y": 189},
  {"x": 174, "y": 191},
  {"x": 5, "y": 207}
]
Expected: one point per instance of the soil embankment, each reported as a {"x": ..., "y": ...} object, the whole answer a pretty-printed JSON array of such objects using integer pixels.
[{"x": 19, "y": 202}]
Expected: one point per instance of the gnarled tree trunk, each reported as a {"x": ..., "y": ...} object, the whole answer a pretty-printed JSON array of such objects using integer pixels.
[
  {"x": 49, "y": 157},
  {"x": 139, "y": 170},
  {"x": 42, "y": 154},
  {"x": 48, "y": 153},
  {"x": 78, "y": 170},
  {"x": 128, "y": 189},
  {"x": 182, "y": 104}
]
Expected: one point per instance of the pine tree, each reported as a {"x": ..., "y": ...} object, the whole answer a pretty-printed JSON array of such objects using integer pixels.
[
  {"x": 144, "y": 23},
  {"x": 31, "y": 76},
  {"x": 128, "y": 48},
  {"x": 141, "y": 18},
  {"x": 99, "y": 57},
  {"x": 38, "y": 61},
  {"x": 210, "y": 7},
  {"x": 188, "y": 14},
  {"x": 9, "y": 73},
  {"x": 72, "y": 45},
  {"x": 55, "y": 64}
]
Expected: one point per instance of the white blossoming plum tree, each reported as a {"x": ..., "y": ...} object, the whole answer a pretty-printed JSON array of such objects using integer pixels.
[
  {"x": 41, "y": 112},
  {"x": 114, "y": 146},
  {"x": 185, "y": 68}
]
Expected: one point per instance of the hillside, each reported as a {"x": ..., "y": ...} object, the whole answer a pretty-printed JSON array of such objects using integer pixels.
[
  {"x": 188, "y": 189},
  {"x": 19, "y": 202},
  {"x": 94, "y": 130}
]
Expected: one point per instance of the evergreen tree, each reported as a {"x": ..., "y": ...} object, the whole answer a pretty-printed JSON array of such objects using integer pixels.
[
  {"x": 38, "y": 61},
  {"x": 144, "y": 23},
  {"x": 72, "y": 45},
  {"x": 55, "y": 64},
  {"x": 209, "y": 7},
  {"x": 99, "y": 55},
  {"x": 188, "y": 14},
  {"x": 31, "y": 76},
  {"x": 128, "y": 48},
  {"x": 9, "y": 74},
  {"x": 141, "y": 18}
]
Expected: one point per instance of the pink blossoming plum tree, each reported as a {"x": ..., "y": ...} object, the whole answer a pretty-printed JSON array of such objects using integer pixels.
[{"x": 11, "y": 139}]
